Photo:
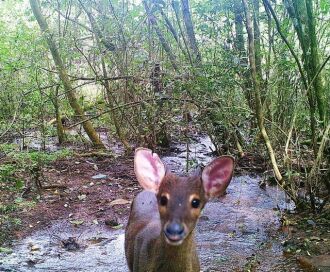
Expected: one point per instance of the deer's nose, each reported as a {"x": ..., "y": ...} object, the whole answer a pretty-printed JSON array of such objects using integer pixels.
[{"x": 174, "y": 229}]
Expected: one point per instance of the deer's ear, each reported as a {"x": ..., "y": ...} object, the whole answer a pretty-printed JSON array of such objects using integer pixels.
[
  {"x": 149, "y": 169},
  {"x": 217, "y": 175}
]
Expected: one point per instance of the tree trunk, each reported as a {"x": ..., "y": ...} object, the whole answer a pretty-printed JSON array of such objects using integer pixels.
[
  {"x": 301, "y": 14},
  {"x": 256, "y": 86},
  {"x": 176, "y": 9},
  {"x": 314, "y": 64},
  {"x": 59, "y": 125},
  {"x": 174, "y": 33},
  {"x": 239, "y": 36},
  {"x": 119, "y": 132},
  {"x": 88, "y": 127},
  {"x": 240, "y": 49},
  {"x": 257, "y": 43},
  {"x": 190, "y": 31},
  {"x": 164, "y": 43},
  {"x": 99, "y": 37}
]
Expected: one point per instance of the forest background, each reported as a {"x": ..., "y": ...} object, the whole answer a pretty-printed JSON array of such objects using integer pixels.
[{"x": 253, "y": 75}]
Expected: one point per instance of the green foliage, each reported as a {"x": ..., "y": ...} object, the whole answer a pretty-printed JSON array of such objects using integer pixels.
[
  {"x": 7, "y": 172},
  {"x": 20, "y": 165},
  {"x": 37, "y": 157},
  {"x": 324, "y": 6}
]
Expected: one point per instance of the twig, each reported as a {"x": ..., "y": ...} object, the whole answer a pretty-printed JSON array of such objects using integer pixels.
[
  {"x": 102, "y": 78},
  {"x": 131, "y": 104},
  {"x": 318, "y": 159},
  {"x": 72, "y": 20},
  {"x": 92, "y": 78}
]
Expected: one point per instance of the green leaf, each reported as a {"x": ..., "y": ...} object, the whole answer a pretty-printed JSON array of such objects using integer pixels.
[{"x": 19, "y": 184}]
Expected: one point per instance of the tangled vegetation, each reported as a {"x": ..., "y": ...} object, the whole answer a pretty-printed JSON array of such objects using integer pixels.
[{"x": 254, "y": 75}]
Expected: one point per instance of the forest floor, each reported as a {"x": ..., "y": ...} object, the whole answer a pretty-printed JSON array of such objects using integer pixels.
[{"x": 88, "y": 203}]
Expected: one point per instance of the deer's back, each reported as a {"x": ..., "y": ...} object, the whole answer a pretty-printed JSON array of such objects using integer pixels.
[{"x": 142, "y": 232}]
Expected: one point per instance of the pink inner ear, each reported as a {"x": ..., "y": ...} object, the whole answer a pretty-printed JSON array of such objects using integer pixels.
[
  {"x": 149, "y": 169},
  {"x": 217, "y": 175}
]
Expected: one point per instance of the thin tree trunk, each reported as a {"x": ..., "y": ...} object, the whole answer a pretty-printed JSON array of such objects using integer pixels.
[
  {"x": 305, "y": 29},
  {"x": 119, "y": 132},
  {"x": 176, "y": 9},
  {"x": 240, "y": 48},
  {"x": 174, "y": 33},
  {"x": 313, "y": 174},
  {"x": 300, "y": 68},
  {"x": 257, "y": 43},
  {"x": 55, "y": 101},
  {"x": 190, "y": 31},
  {"x": 239, "y": 36},
  {"x": 105, "y": 82},
  {"x": 314, "y": 64},
  {"x": 108, "y": 44},
  {"x": 59, "y": 124},
  {"x": 88, "y": 127},
  {"x": 256, "y": 86},
  {"x": 153, "y": 21}
]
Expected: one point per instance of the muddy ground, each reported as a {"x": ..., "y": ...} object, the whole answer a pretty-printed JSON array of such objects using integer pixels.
[{"x": 79, "y": 223}]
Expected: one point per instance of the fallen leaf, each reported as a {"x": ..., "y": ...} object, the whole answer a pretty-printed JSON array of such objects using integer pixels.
[
  {"x": 119, "y": 201},
  {"x": 118, "y": 226},
  {"x": 99, "y": 176},
  {"x": 315, "y": 238},
  {"x": 82, "y": 197},
  {"x": 35, "y": 248},
  {"x": 77, "y": 222}
]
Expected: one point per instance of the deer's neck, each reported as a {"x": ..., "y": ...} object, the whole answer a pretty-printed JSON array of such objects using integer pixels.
[{"x": 178, "y": 258}]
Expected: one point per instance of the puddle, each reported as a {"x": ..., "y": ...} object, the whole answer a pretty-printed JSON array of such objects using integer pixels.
[
  {"x": 235, "y": 231},
  {"x": 200, "y": 150},
  {"x": 242, "y": 227},
  {"x": 33, "y": 141},
  {"x": 100, "y": 249}
]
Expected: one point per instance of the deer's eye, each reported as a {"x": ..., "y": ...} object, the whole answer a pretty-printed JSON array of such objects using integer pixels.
[
  {"x": 163, "y": 200},
  {"x": 195, "y": 203}
]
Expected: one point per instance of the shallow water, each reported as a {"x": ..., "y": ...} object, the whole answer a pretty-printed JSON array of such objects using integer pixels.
[
  {"x": 100, "y": 250},
  {"x": 242, "y": 229},
  {"x": 235, "y": 232}
]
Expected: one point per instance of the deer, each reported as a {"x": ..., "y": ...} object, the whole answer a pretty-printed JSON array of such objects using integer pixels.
[{"x": 159, "y": 236}]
